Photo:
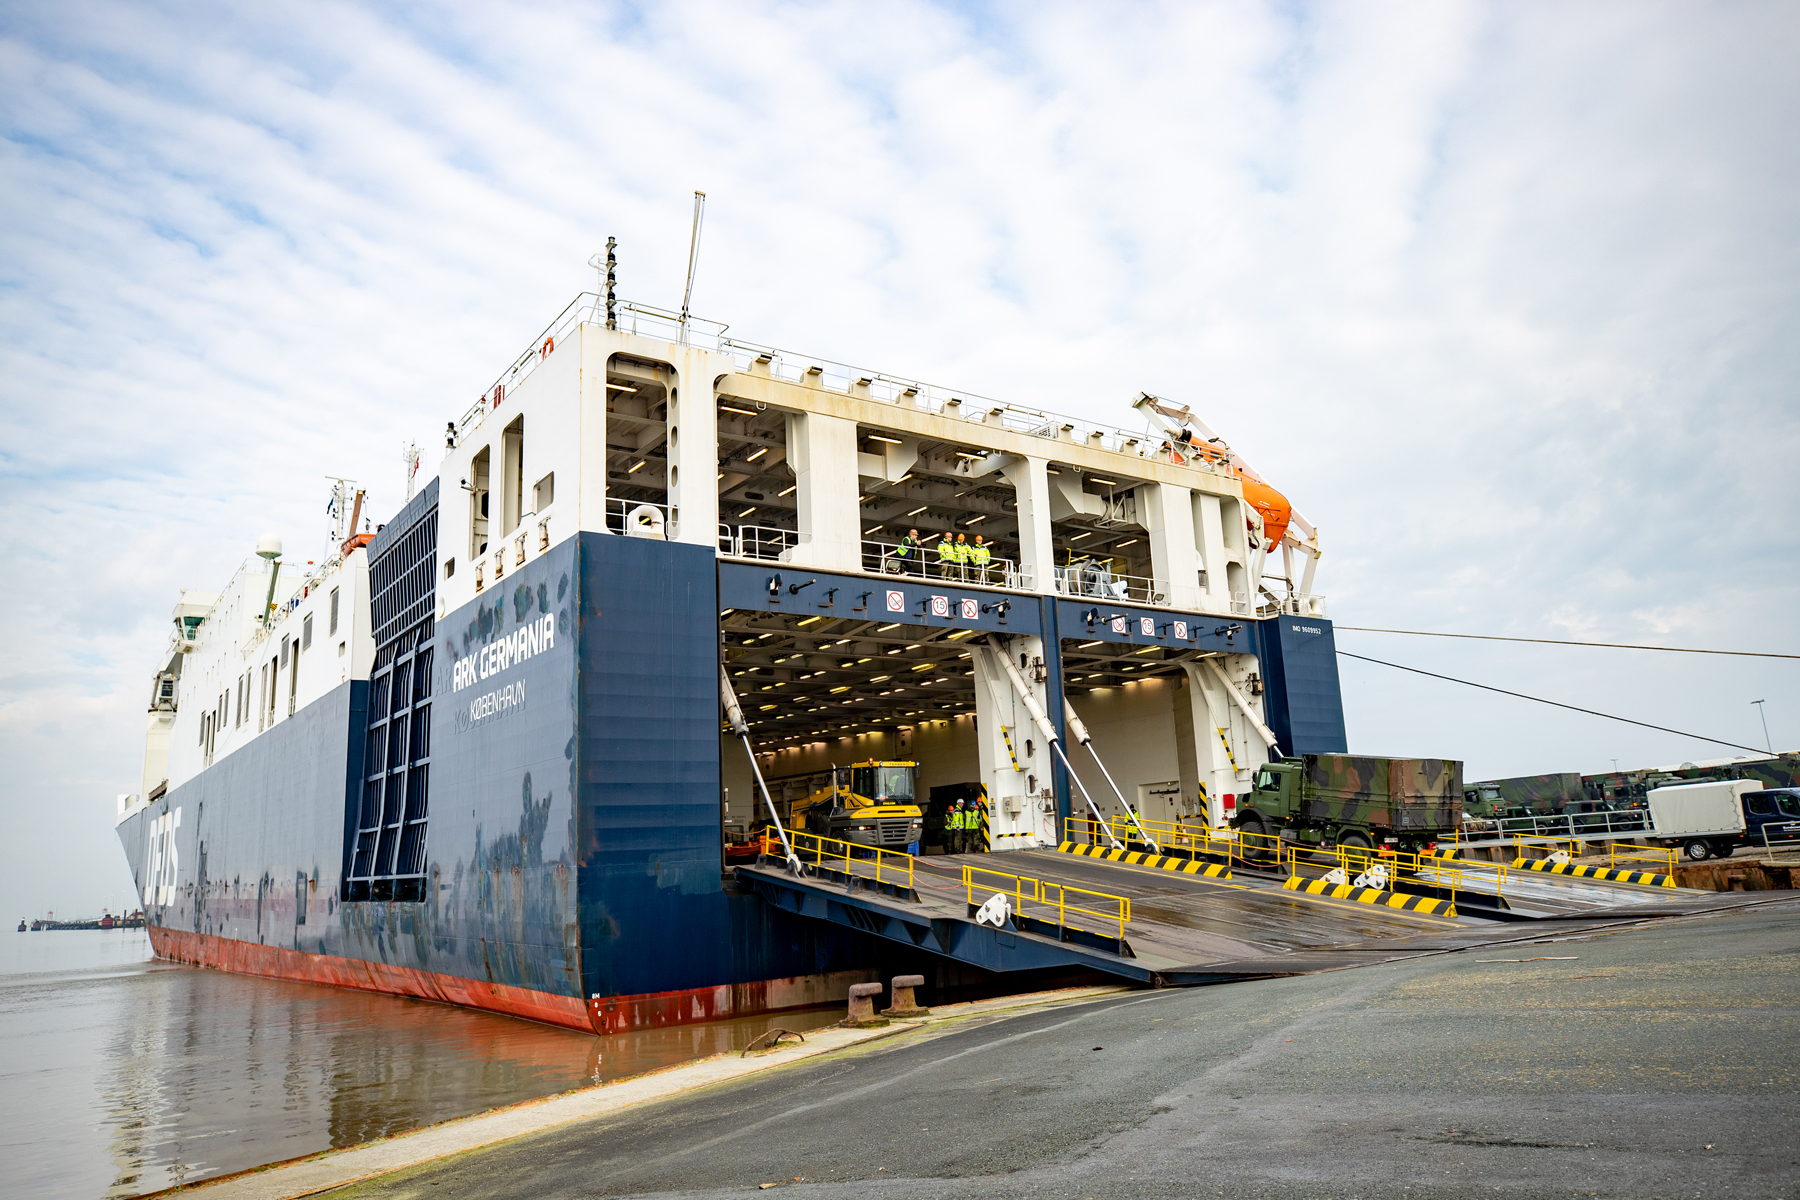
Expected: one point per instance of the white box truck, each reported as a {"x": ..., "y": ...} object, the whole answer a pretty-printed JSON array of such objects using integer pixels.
[{"x": 1711, "y": 818}]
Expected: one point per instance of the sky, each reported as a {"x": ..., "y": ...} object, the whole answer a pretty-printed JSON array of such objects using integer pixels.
[{"x": 1502, "y": 296}]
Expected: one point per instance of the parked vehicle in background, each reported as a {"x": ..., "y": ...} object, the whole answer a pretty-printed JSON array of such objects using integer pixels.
[{"x": 1716, "y": 818}]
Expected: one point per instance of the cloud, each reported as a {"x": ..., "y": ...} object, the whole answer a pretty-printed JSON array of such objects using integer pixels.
[{"x": 1500, "y": 295}]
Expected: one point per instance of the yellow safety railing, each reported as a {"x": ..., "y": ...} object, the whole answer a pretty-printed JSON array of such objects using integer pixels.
[
  {"x": 1438, "y": 870},
  {"x": 1549, "y": 845},
  {"x": 1183, "y": 837},
  {"x": 1047, "y": 898},
  {"x": 1620, "y": 856},
  {"x": 890, "y": 866},
  {"x": 1627, "y": 857}
]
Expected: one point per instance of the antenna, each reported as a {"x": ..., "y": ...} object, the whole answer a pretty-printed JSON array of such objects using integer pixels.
[
  {"x": 410, "y": 456},
  {"x": 693, "y": 261},
  {"x": 338, "y": 507},
  {"x": 608, "y": 278}
]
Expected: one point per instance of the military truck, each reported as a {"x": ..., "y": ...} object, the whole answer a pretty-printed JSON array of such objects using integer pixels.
[
  {"x": 1523, "y": 795},
  {"x": 866, "y": 804},
  {"x": 1353, "y": 800}
]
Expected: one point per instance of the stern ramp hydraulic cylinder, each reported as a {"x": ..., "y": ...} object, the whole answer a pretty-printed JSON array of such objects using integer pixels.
[
  {"x": 1042, "y": 721},
  {"x": 735, "y": 715}
]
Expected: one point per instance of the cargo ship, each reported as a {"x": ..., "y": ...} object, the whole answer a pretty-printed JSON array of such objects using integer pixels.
[{"x": 474, "y": 754}]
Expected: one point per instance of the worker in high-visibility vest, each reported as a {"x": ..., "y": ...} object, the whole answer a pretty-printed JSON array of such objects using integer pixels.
[
  {"x": 910, "y": 554},
  {"x": 979, "y": 557},
  {"x": 948, "y": 559},
  {"x": 962, "y": 555}
]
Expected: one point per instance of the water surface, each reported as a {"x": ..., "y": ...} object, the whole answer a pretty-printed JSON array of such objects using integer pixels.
[{"x": 120, "y": 1074}]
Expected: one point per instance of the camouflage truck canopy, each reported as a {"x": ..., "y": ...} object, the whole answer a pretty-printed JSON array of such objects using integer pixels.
[
  {"x": 1531, "y": 793},
  {"x": 1398, "y": 794}
]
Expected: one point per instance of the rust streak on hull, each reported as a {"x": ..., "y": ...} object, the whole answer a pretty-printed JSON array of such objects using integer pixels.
[
  {"x": 604, "y": 1015},
  {"x": 275, "y": 962}
]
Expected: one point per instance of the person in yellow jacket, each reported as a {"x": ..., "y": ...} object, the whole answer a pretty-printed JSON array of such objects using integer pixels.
[
  {"x": 979, "y": 557},
  {"x": 948, "y": 559}
]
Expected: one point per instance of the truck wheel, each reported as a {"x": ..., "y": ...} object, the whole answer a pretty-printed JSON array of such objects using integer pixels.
[
  {"x": 1356, "y": 841},
  {"x": 1255, "y": 852},
  {"x": 1696, "y": 850}
]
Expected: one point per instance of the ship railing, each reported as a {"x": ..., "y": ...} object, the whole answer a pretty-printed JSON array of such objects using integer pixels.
[
  {"x": 921, "y": 562},
  {"x": 651, "y": 321},
  {"x": 1094, "y": 580},
  {"x": 1303, "y": 604},
  {"x": 1571, "y": 825},
  {"x": 1780, "y": 838},
  {"x": 585, "y": 308},
  {"x": 315, "y": 577},
  {"x": 640, "y": 518},
  {"x": 760, "y": 542}
]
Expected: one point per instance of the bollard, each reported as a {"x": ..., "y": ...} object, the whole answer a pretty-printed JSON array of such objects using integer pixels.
[
  {"x": 904, "y": 1004},
  {"x": 862, "y": 1007}
]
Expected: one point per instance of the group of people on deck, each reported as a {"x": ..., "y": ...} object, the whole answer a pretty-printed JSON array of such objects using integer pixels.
[{"x": 957, "y": 558}]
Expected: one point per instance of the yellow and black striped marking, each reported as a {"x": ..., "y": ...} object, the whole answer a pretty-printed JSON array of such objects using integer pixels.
[
  {"x": 1142, "y": 858},
  {"x": 1343, "y": 891},
  {"x": 1584, "y": 871}
]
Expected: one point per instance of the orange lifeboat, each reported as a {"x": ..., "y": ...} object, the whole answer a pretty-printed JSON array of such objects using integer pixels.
[{"x": 1274, "y": 507}]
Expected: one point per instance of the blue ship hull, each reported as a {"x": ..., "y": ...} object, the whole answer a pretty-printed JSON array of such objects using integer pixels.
[{"x": 571, "y": 867}]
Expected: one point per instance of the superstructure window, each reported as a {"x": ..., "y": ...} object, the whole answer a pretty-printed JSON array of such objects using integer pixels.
[
  {"x": 306, "y": 633},
  {"x": 513, "y": 479},
  {"x": 334, "y": 612},
  {"x": 478, "y": 502}
]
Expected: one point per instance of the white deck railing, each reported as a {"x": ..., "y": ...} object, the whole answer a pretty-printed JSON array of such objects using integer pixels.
[
  {"x": 1096, "y": 581},
  {"x": 881, "y": 558},
  {"x": 648, "y": 320}
]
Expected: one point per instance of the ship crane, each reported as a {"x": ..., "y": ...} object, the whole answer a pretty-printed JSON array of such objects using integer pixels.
[{"x": 1189, "y": 437}]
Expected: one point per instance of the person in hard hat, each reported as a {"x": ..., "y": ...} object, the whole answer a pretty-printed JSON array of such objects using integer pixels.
[
  {"x": 979, "y": 557},
  {"x": 953, "y": 828},
  {"x": 972, "y": 829},
  {"x": 910, "y": 554},
  {"x": 948, "y": 560},
  {"x": 963, "y": 556}
]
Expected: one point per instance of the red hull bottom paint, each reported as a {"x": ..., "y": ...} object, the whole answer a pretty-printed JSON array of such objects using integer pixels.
[
  {"x": 612, "y": 1014},
  {"x": 619, "y": 1014}
]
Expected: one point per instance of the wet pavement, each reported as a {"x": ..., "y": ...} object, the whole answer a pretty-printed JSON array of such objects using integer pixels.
[{"x": 1660, "y": 1059}]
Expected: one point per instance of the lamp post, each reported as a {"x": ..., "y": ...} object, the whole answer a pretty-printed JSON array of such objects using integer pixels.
[{"x": 1767, "y": 741}]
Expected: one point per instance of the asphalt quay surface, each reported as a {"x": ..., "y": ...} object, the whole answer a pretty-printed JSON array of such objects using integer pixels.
[{"x": 1655, "y": 1060}]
